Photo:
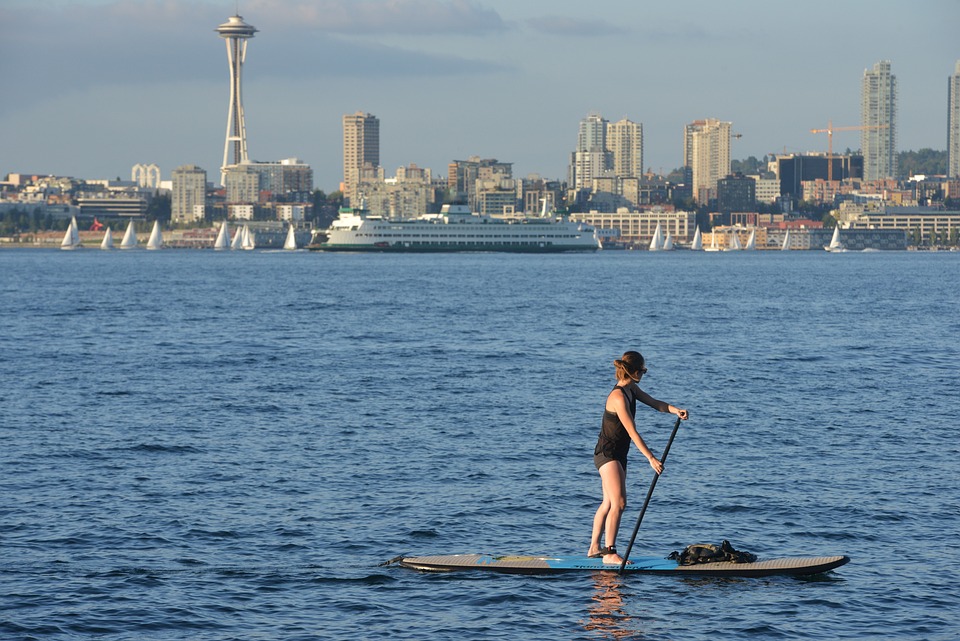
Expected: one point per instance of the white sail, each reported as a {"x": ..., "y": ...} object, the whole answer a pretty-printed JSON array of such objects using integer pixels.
[
  {"x": 156, "y": 238},
  {"x": 129, "y": 237},
  {"x": 291, "y": 241},
  {"x": 668, "y": 243},
  {"x": 752, "y": 241},
  {"x": 697, "y": 244},
  {"x": 71, "y": 239},
  {"x": 713, "y": 242},
  {"x": 107, "y": 242},
  {"x": 248, "y": 239},
  {"x": 835, "y": 244},
  {"x": 734, "y": 242},
  {"x": 656, "y": 243},
  {"x": 786, "y": 240},
  {"x": 237, "y": 239},
  {"x": 223, "y": 238}
]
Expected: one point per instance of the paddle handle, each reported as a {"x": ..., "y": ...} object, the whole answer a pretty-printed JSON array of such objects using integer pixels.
[{"x": 646, "y": 502}]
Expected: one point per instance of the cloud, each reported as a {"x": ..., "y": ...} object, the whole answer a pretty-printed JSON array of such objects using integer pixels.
[
  {"x": 382, "y": 17},
  {"x": 575, "y": 27},
  {"x": 46, "y": 53}
]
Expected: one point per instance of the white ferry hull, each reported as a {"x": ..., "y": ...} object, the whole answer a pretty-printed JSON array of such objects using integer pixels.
[
  {"x": 465, "y": 234},
  {"x": 521, "y": 248}
]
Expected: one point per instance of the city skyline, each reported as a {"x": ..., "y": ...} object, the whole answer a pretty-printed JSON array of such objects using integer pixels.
[{"x": 101, "y": 86}]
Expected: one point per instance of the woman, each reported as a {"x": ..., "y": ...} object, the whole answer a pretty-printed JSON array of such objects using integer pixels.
[{"x": 617, "y": 431}]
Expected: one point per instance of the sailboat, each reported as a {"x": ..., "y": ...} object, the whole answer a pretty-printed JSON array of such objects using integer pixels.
[
  {"x": 223, "y": 238},
  {"x": 713, "y": 243},
  {"x": 835, "y": 244},
  {"x": 247, "y": 238},
  {"x": 237, "y": 239},
  {"x": 71, "y": 239},
  {"x": 107, "y": 242},
  {"x": 129, "y": 237},
  {"x": 656, "y": 243},
  {"x": 786, "y": 241},
  {"x": 668, "y": 243},
  {"x": 156, "y": 238},
  {"x": 752, "y": 241},
  {"x": 734, "y": 242},
  {"x": 291, "y": 241},
  {"x": 697, "y": 244}
]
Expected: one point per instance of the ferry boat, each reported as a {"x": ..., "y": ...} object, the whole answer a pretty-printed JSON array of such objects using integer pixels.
[{"x": 456, "y": 229}]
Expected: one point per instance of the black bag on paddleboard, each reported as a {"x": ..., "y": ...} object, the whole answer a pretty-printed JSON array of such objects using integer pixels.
[{"x": 709, "y": 553}]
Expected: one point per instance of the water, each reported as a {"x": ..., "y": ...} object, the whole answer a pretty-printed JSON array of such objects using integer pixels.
[{"x": 211, "y": 446}]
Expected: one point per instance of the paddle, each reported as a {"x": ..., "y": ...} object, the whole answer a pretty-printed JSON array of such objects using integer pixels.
[{"x": 653, "y": 484}]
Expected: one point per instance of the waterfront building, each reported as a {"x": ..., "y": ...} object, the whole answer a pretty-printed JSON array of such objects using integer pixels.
[
  {"x": 188, "y": 192},
  {"x": 721, "y": 237},
  {"x": 706, "y": 148},
  {"x": 953, "y": 123},
  {"x": 925, "y": 224},
  {"x": 635, "y": 229},
  {"x": 878, "y": 138},
  {"x": 361, "y": 148},
  {"x": 236, "y": 33}
]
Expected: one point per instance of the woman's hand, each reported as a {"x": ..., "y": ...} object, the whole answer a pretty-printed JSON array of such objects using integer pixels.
[
  {"x": 655, "y": 464},
  {"x": 682, "y": 413}
]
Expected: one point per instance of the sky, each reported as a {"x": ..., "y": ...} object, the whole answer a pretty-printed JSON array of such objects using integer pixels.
[{"x": 92, "y": 87}]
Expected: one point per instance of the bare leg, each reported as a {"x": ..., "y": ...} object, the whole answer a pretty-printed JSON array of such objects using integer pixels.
[
  {"x": 598, "y": 521},
  {"x": 607, "y": 518}
]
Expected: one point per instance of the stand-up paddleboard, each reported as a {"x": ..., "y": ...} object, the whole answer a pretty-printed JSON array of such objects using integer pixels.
[{"x": 642, "y": 565}]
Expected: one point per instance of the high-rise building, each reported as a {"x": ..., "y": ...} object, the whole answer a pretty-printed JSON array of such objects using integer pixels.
[
  {"x": 361, "y": 147},
  {"x": 593, "y": 133},
  {"x": 953, "y": 123},
  {"x": 188, "y": 194},
  {"x": 592, "y": 158},
  {"x": 878, "y": 139},
  {"x": 706, "y": 155},
  {"x": 236, "y": 32},
  {"x": 625, "y": 142}
]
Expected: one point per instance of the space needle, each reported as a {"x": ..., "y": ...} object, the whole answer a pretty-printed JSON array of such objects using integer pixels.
[{"x": 236, "y": 32}]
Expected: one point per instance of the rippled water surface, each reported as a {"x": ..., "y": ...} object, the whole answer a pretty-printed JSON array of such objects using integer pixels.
[{"x": 197, "y": 445}]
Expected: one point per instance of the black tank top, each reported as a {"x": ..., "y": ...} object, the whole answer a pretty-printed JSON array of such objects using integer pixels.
[{"x": 614, "y": 441}]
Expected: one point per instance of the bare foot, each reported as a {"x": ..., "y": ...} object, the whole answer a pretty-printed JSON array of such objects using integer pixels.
[
  {"x": 612, "y": 559},
  {"x": 594, "y": 551}
]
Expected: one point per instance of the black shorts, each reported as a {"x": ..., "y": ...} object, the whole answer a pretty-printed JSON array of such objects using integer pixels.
[{"x": 600, "y": 459}]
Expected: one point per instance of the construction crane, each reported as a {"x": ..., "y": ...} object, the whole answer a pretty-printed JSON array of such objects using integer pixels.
[{"x": 829, "y": 131}]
